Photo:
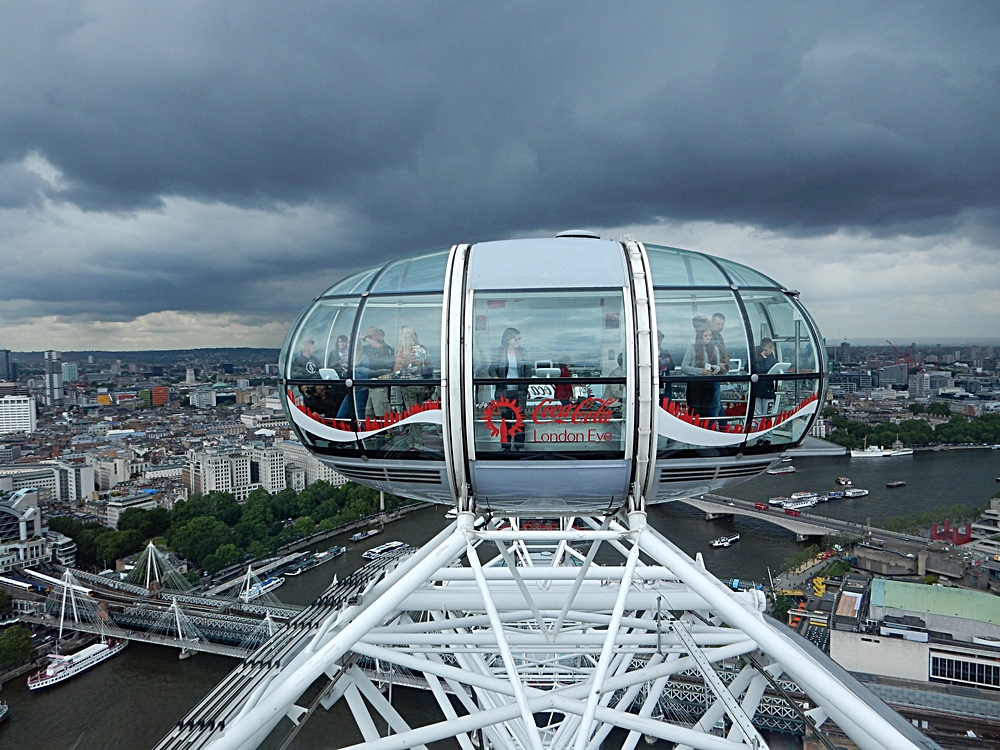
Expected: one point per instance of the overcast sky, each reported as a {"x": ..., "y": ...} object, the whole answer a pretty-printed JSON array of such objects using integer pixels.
[{"x": 192, "y": 174}]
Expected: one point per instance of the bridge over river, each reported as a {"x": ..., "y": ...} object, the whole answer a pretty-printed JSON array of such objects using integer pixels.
[{"x": 804, "y": 525}]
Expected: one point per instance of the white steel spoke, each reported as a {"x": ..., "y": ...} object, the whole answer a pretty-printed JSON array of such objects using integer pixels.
[
  {"x": 508, "y": 657},
  {"x": 603, "y": 663}
]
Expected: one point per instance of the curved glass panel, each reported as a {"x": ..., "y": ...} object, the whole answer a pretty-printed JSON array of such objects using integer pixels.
[
  {"x": 401, "y": 421},
  {"x": 783, "y": 411},
  {"x": 773, "y": 316},
  {"x": 315, "y": 410},
  {"x": 549, "y": 373},
  {"x": 399, "y": 338},
  {"x": 743, "y": 276},
  {"x": 672, "y": 267},
  {"x": 423, "y": 274},
  {"x": 701, "y": 340},
  {"x": 354, "y": 284},
  {"x": 321, "y": 346}
]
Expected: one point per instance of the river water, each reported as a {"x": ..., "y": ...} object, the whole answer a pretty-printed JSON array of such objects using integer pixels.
[{"x": 132, "y": 701}]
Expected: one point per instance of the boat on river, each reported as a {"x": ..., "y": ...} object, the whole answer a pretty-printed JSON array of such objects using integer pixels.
[
  {"x": 726, "y": 541},
  {"x": 897, "y": 483},
  {"x": 63, "y": 666},
  {"x": 796, "y": 496},
  {"x": 844, "y": 481},
  {"x": 855, "y": 492},
  {"x": 4, "y": 710},
  {"x": 361, "y": 535},
  {"x": 317, "y": 559},
  {"x": 259, "y": 589},
  {"x": 871, "y": 451},
  {"x": 782, "y": 470},
  {"x": 384, "y": 549}
]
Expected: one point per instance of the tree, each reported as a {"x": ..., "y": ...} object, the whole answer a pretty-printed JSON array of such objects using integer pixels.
[
  {"x": 149, "y": 523},
  {"x": 6, "y": 603},
  {"x": 916, "y": 408},
  {"x": 15, "y": 646},
  {"x": 200, "y": 537},
  {"x": 223, "y": 557},
  {"x": 939, "y": 409}
]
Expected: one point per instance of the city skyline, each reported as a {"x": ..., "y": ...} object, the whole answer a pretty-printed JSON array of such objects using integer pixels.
[{"x": 176, "y": 178}]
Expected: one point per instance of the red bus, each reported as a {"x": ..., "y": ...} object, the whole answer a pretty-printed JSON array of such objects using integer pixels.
[
  {"x": 790, "y": 512},
  {"x": 760, "y": 506}
]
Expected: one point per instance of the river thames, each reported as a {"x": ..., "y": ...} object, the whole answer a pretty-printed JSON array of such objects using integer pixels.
[{"x": 132, "y": 701}]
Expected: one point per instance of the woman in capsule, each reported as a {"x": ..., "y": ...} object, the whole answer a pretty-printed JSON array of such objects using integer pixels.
[
  {"x": 413, "y": 362},
  {"x": 701, "y": 358},
  {"x": 511, "y": 361}
]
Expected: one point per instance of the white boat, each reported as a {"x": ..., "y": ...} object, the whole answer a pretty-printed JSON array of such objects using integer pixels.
[
  {"x": 870, "y": 451},
  {"x": 451, "y": 515},
  {"x": 384, "y": 549},
  {"x": 777, "y": 501},
  {"x": 782, "y": 470},
  {"x": 901, "y": 452},
  {"x": 4, "y": 710},
  {"x": 365, "y": 534},
  {"x": 259, "y": 589},
  {"x": 844, "y": 481},
  {"x": 802, "y": 496},
  {"x": 725, "y": 541},
  {"x": 855, "y": 492},
  {"x": 800, "y": 504},
  {"x": 836, "y": 495},
  {"x": 63, "y": 666}
]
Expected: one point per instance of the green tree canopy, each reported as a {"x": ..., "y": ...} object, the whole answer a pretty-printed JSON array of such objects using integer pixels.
[{"x": 15, "y": 646}]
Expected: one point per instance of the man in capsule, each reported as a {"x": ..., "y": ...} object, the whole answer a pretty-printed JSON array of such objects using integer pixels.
[{"x": 305, "y": 364}]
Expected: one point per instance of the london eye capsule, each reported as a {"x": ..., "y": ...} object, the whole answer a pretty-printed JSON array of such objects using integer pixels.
[{"x": 553, "y": 375}]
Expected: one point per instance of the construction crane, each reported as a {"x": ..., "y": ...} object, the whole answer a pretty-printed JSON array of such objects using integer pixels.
[{"x": 900, "y": 357}]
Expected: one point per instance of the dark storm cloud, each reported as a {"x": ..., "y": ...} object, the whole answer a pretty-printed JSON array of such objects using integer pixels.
[{"x": 422, "y": 125}]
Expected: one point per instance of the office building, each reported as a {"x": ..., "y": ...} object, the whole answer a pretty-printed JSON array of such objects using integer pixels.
[
  {"x": 53, "y": 378},
  {"x": 70, "y": 372},
  {"x": 5, "y": 365},
  {"x": 217, "y": 471},
  {"x": 297, "y": 455},
  {"x": 17, "y": 414},
  {"x": 267, "y": 468}
]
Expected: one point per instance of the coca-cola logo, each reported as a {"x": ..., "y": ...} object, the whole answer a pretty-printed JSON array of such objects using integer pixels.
[
  {"x": 503, "y": 419},
  {"x": 588, "y": 411}
]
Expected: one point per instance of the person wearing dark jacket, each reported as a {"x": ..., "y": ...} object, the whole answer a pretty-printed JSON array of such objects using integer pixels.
[
  {"x": 766, "y": 359},
  {"x": 511, "y": 361}
]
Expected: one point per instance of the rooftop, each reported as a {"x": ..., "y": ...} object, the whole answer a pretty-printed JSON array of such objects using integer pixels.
[{"x": 936, "y": 600}]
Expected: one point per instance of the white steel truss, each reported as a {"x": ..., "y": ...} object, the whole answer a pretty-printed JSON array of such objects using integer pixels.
[{"x": 526, "y": 643}]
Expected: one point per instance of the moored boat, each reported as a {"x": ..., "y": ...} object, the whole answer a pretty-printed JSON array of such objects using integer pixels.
[
  {"x": 4, "y": 710},
  {"x": 384, "y": 549},
  {"x": 901, "y": 452},
  {"x": 855, "y": 492},
  {"x": 63, "y": 666},
  {"x": 808, "y": 502},
  {"x": 835, "y": 495},
  {"x": 361, "y": 535},
  {"x": 871, "y": 451},
  {"x": 777, "y": 501},
  {"x": 259, "y": 589},
  {"x": 801, "y": 496},
  {"x": 782, "y": 470}
]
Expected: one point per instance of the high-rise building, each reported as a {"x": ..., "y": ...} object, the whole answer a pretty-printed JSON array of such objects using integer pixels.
[
  {"x": 70, "y": 372},
  {"x": 17, "y": 414},
  {"x": 53, "y": 378},
  {"x": 5, "y": 373}
]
